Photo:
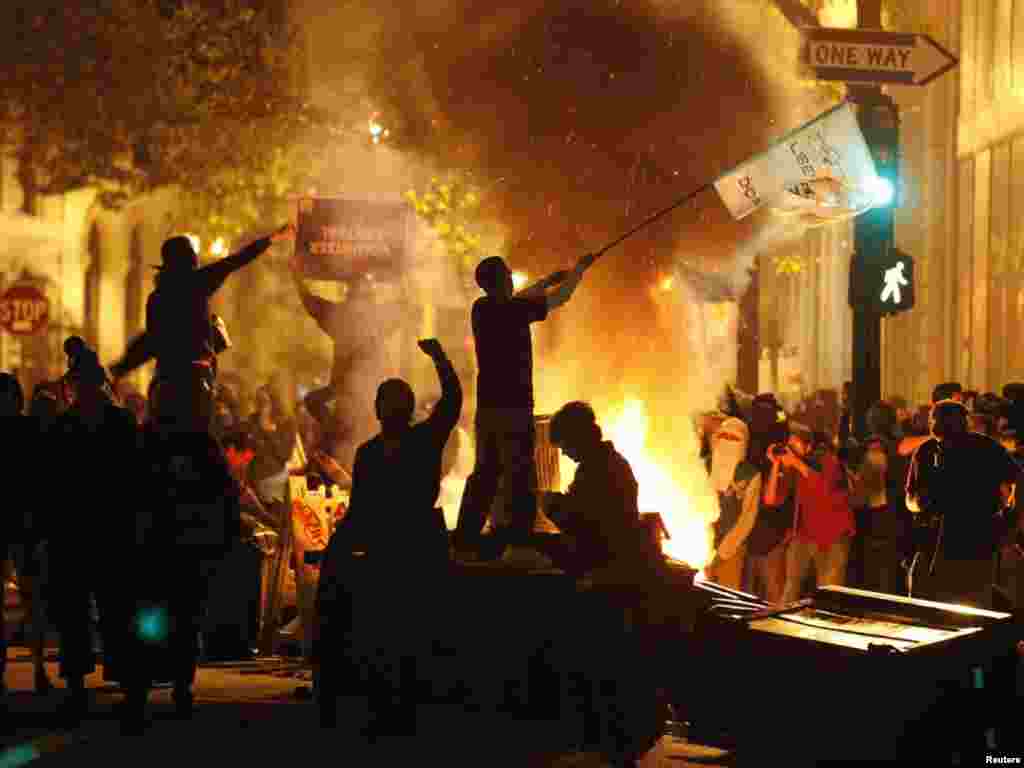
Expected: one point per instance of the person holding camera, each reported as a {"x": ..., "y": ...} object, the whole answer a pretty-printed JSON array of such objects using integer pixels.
[{"x": 823, "y": 523}]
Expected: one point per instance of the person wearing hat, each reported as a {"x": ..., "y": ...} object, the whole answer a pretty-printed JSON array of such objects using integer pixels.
[{"x": 180, "y": 330}]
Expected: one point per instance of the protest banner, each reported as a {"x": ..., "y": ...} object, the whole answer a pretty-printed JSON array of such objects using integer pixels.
[{"x": 338, "y": 239}]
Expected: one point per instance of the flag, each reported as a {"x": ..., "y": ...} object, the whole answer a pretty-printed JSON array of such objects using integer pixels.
[{"x": 822, "y": 171}]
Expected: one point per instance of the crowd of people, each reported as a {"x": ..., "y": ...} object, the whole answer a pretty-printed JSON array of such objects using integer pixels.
[
  {"x": 213, "y": 470},
  {"x": 919, "y": 507},
  {"x": 922, "y": 504}
]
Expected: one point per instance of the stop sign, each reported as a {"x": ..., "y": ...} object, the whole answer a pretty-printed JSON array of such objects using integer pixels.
[{"x": 24, "y": 310}]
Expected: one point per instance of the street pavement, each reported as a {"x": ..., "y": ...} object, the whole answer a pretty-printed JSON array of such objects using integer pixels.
[{"x": 248, "y": 714}]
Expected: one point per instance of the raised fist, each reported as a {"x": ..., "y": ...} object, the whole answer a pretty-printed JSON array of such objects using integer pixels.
[{"x": 432, "y": 348}]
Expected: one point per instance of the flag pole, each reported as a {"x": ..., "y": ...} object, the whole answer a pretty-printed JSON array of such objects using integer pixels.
[{"x": 651, "y": 219}]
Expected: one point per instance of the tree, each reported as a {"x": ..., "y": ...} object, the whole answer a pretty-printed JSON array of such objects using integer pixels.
[
  {"x": 130, "y": 95},
  {"x": 450, "y": 206}
]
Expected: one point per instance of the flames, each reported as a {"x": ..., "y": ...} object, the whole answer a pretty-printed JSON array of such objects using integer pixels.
[{"x": 678, "y": 491}]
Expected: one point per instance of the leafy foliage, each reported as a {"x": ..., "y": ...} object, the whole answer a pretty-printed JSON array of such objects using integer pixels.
[
  {"x": 450, "y": 206},
  {"x": 129, "y": 95},
  {"x": 789, "y": 263}
]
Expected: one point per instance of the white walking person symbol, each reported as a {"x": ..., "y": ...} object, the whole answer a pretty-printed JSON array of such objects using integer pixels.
[{"x": 893, "y": 280}]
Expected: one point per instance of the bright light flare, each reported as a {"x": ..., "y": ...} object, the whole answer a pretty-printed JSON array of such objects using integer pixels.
[
  {"x": 881, "y": 190},
  {"x": 686, "y": 512},
  {"x": 377, "y": 131},
  {"x": 519, "y": 280},
  {"x": 219, "y": 247},
  {"x": 666, "y": 284},
  {"x": 839, "y": 13},
  {"x": 195, "y": 241}
]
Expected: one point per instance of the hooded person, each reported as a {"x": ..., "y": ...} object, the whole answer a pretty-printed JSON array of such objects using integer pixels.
[{"x": 737, "y": 482}]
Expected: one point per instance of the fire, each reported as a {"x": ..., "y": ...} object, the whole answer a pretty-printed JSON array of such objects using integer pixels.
[{"x": 674, "y": 492}]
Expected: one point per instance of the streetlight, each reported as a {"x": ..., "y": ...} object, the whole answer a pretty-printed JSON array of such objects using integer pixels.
[{"x": 219, "y": 247}]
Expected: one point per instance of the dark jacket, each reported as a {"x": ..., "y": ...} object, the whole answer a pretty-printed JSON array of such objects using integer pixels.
[
  {"x": 194, "y": 510},
  {"x": 100, "y": 464},
  {"x": 958, "y": 481},
  {"x": 600, "y": 508},
  {"x": 178, "y": 326},
  {"x": 396, "y": 482}
]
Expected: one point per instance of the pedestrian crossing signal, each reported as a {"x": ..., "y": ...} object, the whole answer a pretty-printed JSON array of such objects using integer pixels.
[{"x": 882, "y": 283}]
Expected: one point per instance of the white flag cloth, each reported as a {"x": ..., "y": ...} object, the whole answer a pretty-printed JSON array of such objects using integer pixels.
[{"x": 822, "y": 171}]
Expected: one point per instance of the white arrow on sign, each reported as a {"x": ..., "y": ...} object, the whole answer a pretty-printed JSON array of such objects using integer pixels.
[{"x": 874, "y": 56}]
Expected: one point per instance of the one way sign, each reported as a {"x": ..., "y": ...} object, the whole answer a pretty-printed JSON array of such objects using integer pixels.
[{"x": 874, "y": 56}]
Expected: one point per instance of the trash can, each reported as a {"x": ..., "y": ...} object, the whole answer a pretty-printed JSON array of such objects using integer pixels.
[{"x": 546, "y": 459}]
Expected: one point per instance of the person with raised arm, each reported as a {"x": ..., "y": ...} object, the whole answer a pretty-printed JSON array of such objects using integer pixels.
[
  {"x": 505, "y": 427},
  {"x": 359, "y": 327},
  {"x": 392, "y": 519},
  {"x": 181, "y": 333}
]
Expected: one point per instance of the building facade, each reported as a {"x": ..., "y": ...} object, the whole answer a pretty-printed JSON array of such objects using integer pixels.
[
  {"x": 963, "y": 144},
  {"x": 96, "y": 275}
]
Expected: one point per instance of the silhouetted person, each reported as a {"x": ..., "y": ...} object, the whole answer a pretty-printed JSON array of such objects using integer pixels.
[
  {"x": 30, "y": 557},
  {"x": 613, "y": 666},
  {"x": 12, "y": 522},
  {"x": 96, "y": 444},
  {"x": 599, "y": 513},
  {"x": 392, "y": 519},
  {"x": 360, "y": 327},
  {"x": 181, "y": 333},
  {"x": 505, "y": 426},
  {"x": 960, "y": 481},
  {"x": 190, "y": 520},
  {"x": 952, "y": 391}
]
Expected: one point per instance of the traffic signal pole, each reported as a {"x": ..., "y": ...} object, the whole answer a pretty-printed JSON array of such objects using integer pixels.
[{"x": 873, "y": 236}]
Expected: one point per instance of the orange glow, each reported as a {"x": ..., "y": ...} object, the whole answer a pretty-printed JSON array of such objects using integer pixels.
[
  {"x": 672, "y": 493},
  {"x": 839, "y": 13},
  {"x": 519, "y": 280}
]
